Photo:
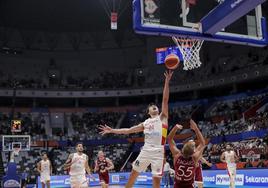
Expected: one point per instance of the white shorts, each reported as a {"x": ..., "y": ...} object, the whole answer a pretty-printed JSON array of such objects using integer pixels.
[
  {"x": 231, "y": 168},
  {"x": 44, "y": 178},
  {"x": 153, "y": 156},
  {"x": 78, "y": 181}
]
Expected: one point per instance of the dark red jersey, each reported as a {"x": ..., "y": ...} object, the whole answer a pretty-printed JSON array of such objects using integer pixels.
[
  {"x": 102, "y": 164},
  {"x": 184, "y": 172},
  {"x": 103, "y": 174}
]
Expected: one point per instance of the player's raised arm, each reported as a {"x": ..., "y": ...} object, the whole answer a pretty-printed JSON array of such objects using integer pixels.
[
  {"x": 168, "y": 74},
  {"x": 108, "y": 130},
  {"x": 202, "y": 143},
  {"x": 172, "y": 145}
]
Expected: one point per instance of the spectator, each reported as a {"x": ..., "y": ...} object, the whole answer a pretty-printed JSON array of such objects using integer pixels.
[
  {"x": 248, "y": 164},
  {"x": 261, "y": 164},
  {"x": 166, "y": 177}
]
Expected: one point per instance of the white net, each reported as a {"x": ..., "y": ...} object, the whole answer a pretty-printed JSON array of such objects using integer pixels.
[
  {"x": 220, "y": 1},
  {"x": 190, "y": 49},
  {"x": 16, "y": 151}
]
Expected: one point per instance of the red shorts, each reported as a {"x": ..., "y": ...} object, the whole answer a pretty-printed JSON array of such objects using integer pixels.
[
  {"x": 198, "y": 174},
  {"x": 104, "y": 177}
]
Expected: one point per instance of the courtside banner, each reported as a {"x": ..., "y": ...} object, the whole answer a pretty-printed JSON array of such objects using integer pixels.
[
  {"x": 115, "y": 179},
  {"x": 251, "y": 178}
]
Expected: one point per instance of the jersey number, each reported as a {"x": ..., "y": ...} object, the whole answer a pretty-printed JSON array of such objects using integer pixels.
[{"x": 185, "y": 171}]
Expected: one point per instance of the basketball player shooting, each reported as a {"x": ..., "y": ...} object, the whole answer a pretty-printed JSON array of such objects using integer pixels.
[
  {"x": 103, "y": 165},
  {"x": 78, "y": 165},
  {"x": 155, "y": 131},
  {"x": 229, "y": 157},
  {"x": 198, "y": 179},
  {"x": 186, "y": 160},
  {"x": 45, "y": 169}
]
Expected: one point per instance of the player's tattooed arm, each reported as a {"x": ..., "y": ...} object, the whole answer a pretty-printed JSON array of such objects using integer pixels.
[
  {"x": 104, "y": 129},
  {"x": 68, "y": 162},
  {"x": 172, "y": 145},
  {"x": 164, "y": 114}
]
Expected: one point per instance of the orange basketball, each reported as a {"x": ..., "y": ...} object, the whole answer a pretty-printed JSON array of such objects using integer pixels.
[{"x": 172, "y": 61}]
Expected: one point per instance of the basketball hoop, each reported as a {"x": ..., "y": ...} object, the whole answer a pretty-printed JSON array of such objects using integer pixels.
[{"x": 190, "y": 49}]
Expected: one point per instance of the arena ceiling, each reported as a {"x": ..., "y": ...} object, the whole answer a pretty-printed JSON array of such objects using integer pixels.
[
  {"x": 64, "y": 15},
  {"x": 38, "y": 23}
]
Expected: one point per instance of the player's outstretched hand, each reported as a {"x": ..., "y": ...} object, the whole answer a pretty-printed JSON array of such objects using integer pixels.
[
  {"x": 168, "y": 74},
  {"x": 179, "y": 127},
  {"x": 105, "y": 129},
  {"x": 193, "y": 125}
]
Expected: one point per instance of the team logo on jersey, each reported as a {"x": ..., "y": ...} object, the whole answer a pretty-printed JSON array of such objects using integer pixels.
[{"x": 150, "y": 127}]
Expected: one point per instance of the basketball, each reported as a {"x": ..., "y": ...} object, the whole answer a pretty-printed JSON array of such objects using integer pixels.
[{"x": 172, "y": 61}]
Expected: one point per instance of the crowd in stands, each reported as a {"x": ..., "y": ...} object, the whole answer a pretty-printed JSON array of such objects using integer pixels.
[
  {"x": 31, "y": 83},
  {"x": 214, "y": 151},
  {"x": 224, "y": 128},
  {"x": 150, "y": 78},
  {"x": 234, "y": 107},
  {"x": 85, "y": 125},
  {"x": 105, "y": 80},
  {"x": 29, "y": 125}
]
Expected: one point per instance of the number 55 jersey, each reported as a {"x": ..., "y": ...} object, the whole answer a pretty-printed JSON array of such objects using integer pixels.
[{"x": 184, "y": 172}]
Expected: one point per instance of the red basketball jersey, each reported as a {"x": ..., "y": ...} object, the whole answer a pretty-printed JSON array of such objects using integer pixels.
[
  {"x": 184, "y": 172},
  {"x": 102, "y": 164},
  {"x": 103, "y": 176}
]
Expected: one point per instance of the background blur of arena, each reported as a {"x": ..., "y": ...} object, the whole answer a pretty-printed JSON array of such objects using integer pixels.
[{"x": 64, "y": 78}]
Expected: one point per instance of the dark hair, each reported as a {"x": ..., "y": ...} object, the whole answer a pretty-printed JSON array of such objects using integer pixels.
[
  {"x": 149, "y": 105},
  {"x": 43, "y": 153},
  {"x": 78, "y": 144}
]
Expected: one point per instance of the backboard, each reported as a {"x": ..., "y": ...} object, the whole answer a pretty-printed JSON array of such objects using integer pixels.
[
  {"x": 9, "y": 142},
  {"x": 230, "y": 21}
]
